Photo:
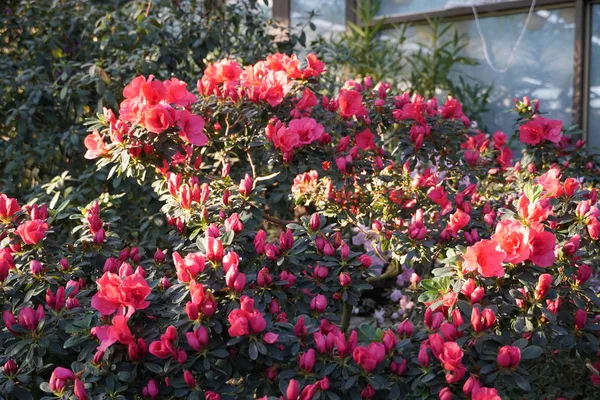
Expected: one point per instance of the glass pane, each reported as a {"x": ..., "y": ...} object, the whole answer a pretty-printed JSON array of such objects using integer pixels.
[
  {"x": 395, "y": 7},
  {"x": 541, "y": 68},
  {"x": 593, "y": 128},
  {"x": 330, "y": 16}
]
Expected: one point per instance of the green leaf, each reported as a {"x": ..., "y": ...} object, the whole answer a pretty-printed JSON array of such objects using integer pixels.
[
  {"x": 531, "y": 352},
  {"x": 523, "y": 383},
  {"x": 253, "y": 351}
]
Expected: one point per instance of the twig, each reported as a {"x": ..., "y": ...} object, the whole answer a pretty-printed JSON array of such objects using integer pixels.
[
  {"x": 277, "y": 221},
  {"x": 148, "y": 8},
  {"x": 392, "y": 272},
  {"x": 346, "y": 314},
  {"x": 251, "y": 164},
  {"x": 267, "y": 177}
]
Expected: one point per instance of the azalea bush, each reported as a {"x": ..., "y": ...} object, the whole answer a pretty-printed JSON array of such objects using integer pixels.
[{"x": 285, "y": 204}]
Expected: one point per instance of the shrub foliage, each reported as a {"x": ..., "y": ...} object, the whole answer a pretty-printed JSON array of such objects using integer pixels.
[{"x": 267, "y": 181}]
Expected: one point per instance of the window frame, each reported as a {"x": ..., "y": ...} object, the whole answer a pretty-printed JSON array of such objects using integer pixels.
[{"x": 581, "y": 46}]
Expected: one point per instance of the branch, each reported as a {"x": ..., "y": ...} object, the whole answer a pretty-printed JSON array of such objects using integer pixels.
[
  {"x": 251, "y": 164},
  {"x": 393, "y": 271},
  {"x": 277, "y": 221},
  {"x": 346, "y": 314}
]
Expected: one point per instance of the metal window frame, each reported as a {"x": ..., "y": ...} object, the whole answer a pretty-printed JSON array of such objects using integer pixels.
[{"x": 581, "y": 50}]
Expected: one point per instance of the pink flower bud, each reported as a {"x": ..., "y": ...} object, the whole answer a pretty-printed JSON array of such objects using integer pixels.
[
  {"x": 271, "y": 251},
  {"x": 214, "y": 249},
  {"x": 368, "y": 392},
  {"x": 445, "y": 394},
  {"x": 36, "y": 267},
  {"x": 271, "y": 373},
  {"x": 64, "y": 263},
  {"x": 79, "y": 390},
  {"x": 365, "y": 260},
  {"x": 423, "y": 357},
  {"x": 470, "y": 386},
  {"x": 259, "y": 241},
  {"x": 286, "y": 240},
  {"x": 405, "y": 329},
  {"x": 189, "y": 379},
  {"x": 543, "y": 285},
  {"x": 264, "y": 278},
  {"x": 344, "y": 251},
  {"x": 477, "y": 294},
  {"x": 307, "y": 360},
  {"x": 270, "y": 337},
  {"x": 99, "y": 237},
  {"x": 59, "y": 378},
  {"x": 468, "y": 287},
  {"x": 159, "y": 256},
  {"x": 293, "y": 390},
  {"x": 74, "y": 288},
  {"x": 580, "y": 319},
  {"x": 246, "y": 186},
  {"x": 414, "y": 279},
  {"x": 198, "y": 339},
  {"x": 320, "y": 272},
  {"x": 10, "y": 368},
  {"x": 584, "y": 272},
  {"x": 345, "y": 279},
  {"x": 509, "y": 357},
  {"x": 389, "y": 340},
  {"x": 318, "y": 303},
  {"x": 315, "y": 222},
  {"x": 399, "y": 368},
  {"x": 151, "y": 389},
  {"x": 192, "y": 311}
]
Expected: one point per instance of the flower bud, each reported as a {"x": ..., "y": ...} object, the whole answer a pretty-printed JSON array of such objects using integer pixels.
[
  {"x": 99, "y": 237},
  {"x": 365, "y": 260},
  {"x": 368, "y": 392},
  {"x": 543, "y": 285},
  {"x": 405, "y": 329},
  {"x": 318, "y": 303},
  {"x": 389, "y": 340},
  {"x": 399, "y": 368},
  {"x": 245, "y": 187},
  {"x": 264, "y": 278},
  {"x": 315, "y": 222},
  {"x": 470, "y": 386},
  {"x": 445, "y": 394},
  {"x": 344, "y": 251},
  {"x": 36, "y": 267},
  {"x": 423, "y": 357},
  {"x": 468, "y": 287},
  {"x": 79, "y": 390},
  {"x": 580, "y": 319},
  {"x": 324, "y": 384},
  {"x": 300, "y": 328},
  {"x": 151, "y": 389},
  {"x": 345, "y": 279},
  {"x": 293, "y": 390},
  {"x": 307, "y": 360},
  {"x": 159, "y": 256},
  {"x": 477, "y": 294},
  {"x": 10, "y": 368},
  {"x": 192, "y": 311},
  {"x": 64, "y": 264},
  {"x": 271, "y": 373},
  {"x": 584, "y": 272},
  {"x": 189, "y": 379},
  {"x": 508, "y": 357}
]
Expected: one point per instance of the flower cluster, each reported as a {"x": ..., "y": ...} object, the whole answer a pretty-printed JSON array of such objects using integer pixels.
[{"x": 286, "y": 206}]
